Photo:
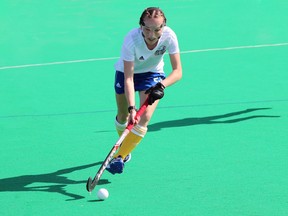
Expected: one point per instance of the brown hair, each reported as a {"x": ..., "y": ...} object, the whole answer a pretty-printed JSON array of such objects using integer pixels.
[{"x": 152, "y": 12}]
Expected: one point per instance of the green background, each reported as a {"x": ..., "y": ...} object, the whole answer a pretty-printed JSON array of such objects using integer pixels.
[{"x": 217, "y": 144}]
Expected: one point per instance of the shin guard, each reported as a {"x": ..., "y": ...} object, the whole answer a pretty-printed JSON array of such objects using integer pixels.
[{"x": 131, "y": 141}]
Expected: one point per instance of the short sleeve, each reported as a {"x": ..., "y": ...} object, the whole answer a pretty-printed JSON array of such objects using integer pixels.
[
  {"x": 127, "y": 51},
  {"x": 173, "y": 45}
]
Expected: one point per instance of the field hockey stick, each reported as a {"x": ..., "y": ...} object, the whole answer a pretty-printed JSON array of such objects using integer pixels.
[{"x": 92, "y": 183}]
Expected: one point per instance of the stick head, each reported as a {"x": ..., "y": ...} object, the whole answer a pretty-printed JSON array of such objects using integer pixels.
[{"x": 89, "y": 184}]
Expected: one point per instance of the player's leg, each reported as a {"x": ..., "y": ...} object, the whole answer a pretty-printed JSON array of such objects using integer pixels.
[
  {"x": 133, "y": 138},
  {"x": 116, "y": 165},
  {"x": 122, "y": 113},
  {"x": 146, "y": 117},
  {"x": 121, "y": 101},
  {"x": 139, "y": 131},
  {"x": 121, "y": 118}
]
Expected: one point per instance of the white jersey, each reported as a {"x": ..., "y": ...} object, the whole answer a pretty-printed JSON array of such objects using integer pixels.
[{"x": 135, "y": 49}]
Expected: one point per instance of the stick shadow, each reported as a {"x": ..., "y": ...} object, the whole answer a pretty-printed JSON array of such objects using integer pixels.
[
  {"x": 21, "y": 183},
  {"x": 218, "y": 119}
]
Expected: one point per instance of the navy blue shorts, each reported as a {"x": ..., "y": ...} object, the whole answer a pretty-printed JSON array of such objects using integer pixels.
[{"x": 142, "y": 81}]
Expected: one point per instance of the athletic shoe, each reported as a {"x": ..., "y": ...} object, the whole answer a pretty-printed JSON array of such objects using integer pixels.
[
  {"x": 127, "y": 158},
  {"x": 116, "y": 165}
]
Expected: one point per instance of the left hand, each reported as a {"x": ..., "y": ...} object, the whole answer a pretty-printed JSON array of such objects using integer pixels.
[{"x": 156, "y": 92}]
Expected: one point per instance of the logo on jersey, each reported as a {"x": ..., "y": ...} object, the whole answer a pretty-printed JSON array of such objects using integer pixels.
[
  {"x": 161, "y": 50},
  {"x": 141, "y": 58}
]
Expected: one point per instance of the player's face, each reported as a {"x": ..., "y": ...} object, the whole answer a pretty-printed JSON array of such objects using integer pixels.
[{"x": 152, "y": 30}]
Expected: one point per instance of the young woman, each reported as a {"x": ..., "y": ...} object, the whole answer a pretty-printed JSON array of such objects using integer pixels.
[{"x": 141, "y": 68}]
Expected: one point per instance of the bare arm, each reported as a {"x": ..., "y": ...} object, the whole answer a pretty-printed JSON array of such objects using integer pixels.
[
  {"x": 176, "y": 73},
  {"x": 129, "y": 88},
  {"x": 129, "y": 82}
]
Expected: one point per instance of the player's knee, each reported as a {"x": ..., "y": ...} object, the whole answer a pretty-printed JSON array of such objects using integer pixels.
[{"x": 145, "y": 118}]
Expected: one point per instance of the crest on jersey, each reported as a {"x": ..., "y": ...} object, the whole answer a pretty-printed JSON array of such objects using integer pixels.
[{"x": 161, "y": 50}]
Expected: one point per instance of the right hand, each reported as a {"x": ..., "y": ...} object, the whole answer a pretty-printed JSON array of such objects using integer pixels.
[{"x": 132, "y": 116}]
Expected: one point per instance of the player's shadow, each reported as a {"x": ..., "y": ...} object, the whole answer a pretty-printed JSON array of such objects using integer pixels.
[
  {"x": 56, "y": 183},
  {"x": 218, "y": 119}
]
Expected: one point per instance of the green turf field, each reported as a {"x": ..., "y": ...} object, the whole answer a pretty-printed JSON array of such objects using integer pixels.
[{"x": 216, "y": 146}]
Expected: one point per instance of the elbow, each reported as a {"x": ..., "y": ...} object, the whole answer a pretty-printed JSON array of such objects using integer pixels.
[{"x": 179, "y": 74}]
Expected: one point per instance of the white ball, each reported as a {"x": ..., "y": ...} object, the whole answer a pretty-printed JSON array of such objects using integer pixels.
[{"x": 102, "y": 194}]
